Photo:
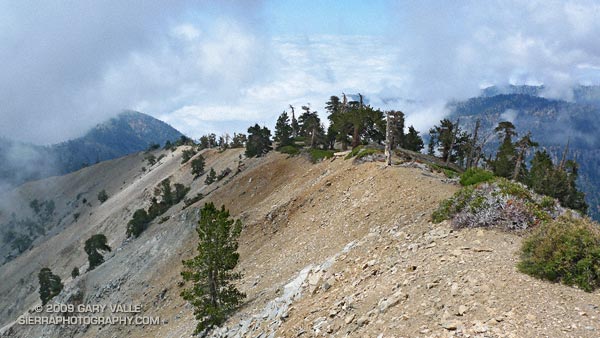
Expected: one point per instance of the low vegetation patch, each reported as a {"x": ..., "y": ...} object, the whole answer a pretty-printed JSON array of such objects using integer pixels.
[
  {"x": 187, "y": 154},
  {"x": 361, "y": 151},
  {"x": 168, "y": 197},
  {"x": 102, "y": 196},
  {"x": 317, "y": 155},
  {"x": 500, "y": 204},
  {"x": 565, "y": 250},
  {"x": 290, "y": 150},
  {"x": 189, "y": 201},
  {"x": 475, "y": 176}
]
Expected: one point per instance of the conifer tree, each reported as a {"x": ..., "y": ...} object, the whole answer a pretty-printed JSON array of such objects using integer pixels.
[
  {"x": 294, "y": 123},
  {"x": 139, "y": 221},
  {"x": 442, "y": 137},
  {"x": 212, "y": 293},
  {"x": 211, "y": 177},
  {"x": 339, "y": 126},
  {"x": 310, "y": 127},
  {"x": 506, "y": 157},
  {"x": 398, "y": 130},
  {"x": 561, "y": 183},
  {"x": 522, "y": 147},
  {"x": 50, "y": 285},
  {"x": 94, "y": 244},
  {"x": 204, "y": 142},
  {"x": 283, "y": 131},
  {"x": 198, "y": 166},
  {"x": 259, "y": 141},
  {"x": 238, "y": 140},
  {"x": 412, "y": 140}
]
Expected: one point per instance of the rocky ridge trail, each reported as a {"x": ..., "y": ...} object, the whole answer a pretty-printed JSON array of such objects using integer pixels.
[{"x": 334, "y": 249}]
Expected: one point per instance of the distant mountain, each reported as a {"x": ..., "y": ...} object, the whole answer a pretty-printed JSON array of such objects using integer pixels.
[
  {"x": 581, "y": 94},
  {"x": 127, "y": 133},
  {"x": 553, "y": 123}
]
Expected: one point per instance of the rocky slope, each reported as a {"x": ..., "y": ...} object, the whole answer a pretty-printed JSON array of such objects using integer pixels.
[{"x": 332, "y": 249}]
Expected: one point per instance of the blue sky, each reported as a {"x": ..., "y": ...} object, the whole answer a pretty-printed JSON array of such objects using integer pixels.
[
  {"x": 327, "y": 17},
  {"x": 220, "y": 66}
]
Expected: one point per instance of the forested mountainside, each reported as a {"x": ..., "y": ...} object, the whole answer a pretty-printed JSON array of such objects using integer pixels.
[
  {"x": 553, "y": 124},
  {"x": 127, "y": 133}
]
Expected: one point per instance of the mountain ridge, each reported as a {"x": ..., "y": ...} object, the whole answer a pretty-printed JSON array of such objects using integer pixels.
[
  {"x": 127, "y": 133},
  {"x": 376, "y": 264}
]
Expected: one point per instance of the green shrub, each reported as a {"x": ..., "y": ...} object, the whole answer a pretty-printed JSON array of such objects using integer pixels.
[
  {"x": 75, "y": 272},
  {"x": 151, "y": 159},
  {"x": 475, "y": 175},
  {"x": 361, "y": 151},
  {"x": 189, "y": 201},
  {"x": 353, "y": 152},
  {"x": 187, "y": 154},
  {"x": 211, "y": 177},
  {"x": 566, "y": 250},
  {"x": 452, "y": 205},
  {"x": 102, "y": 196},
  {"x": 500, "y": 204},
  {"x": 153, "y": 146},
  {"x": 138, "y": 223},
  {"x": 290, "y": 150},
  {"x": 450, "y": 173},
  {"x": 317, "y": 155},
  {"x": 50, "y": 285},
  {"x": 92, "y": 247}
]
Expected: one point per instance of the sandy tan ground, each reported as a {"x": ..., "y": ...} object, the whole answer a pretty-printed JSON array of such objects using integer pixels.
[{"x": 355, "y": 238}]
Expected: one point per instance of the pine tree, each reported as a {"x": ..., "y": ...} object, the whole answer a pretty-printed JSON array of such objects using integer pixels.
[
  {"x": 412, "y": 140},
  {"x": 506, "y": 157},
  {"x": 398, "y": 130},
  {"x": 102, "y": 196},
  {"x": 198, "y": 166},
  {"x": 211, "y": 177},
  {"x": 294, "y": 124},
  {"x": 204, "y": 142},
  {"x": 139, "y": 222},
  {"x": 283, "y": 131},
  {"x": 94, "y": 244},
  {"x": 310, "y": 127},
  {"x": 552, "y": 180},
  {"x": 522, "y": 147},
  {"x": 75, "y": 272},
  {"x": 238, "y": 140},
  {"x": 339, "y": 126},
  {"x": 259, "y": 141},
  {"x": 50, "y": 285},
  {"x": 212, "y": 294},
  {"x": 442, "y": 137}
]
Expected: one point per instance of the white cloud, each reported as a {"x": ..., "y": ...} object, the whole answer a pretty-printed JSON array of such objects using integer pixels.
[
  {"x": 223, "y": 69},
  {"x": 186, "y": 31}
]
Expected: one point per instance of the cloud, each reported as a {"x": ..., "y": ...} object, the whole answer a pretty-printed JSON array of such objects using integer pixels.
[
  {"x": 452, "y": 48},
  {"x": 67, "y": 66},
  {"x": 509, "y": 115},
  {"x": 218, "y": 67}
]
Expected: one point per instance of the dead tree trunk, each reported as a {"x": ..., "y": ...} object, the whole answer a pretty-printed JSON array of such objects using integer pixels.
[
  {"x": 563, "y": 160},
  {"x": 518, "y": 164},
  {"x": 388, "y": 139},
  {"x": 473, "y": 144},
  {"x": 453, "y": 143}
]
